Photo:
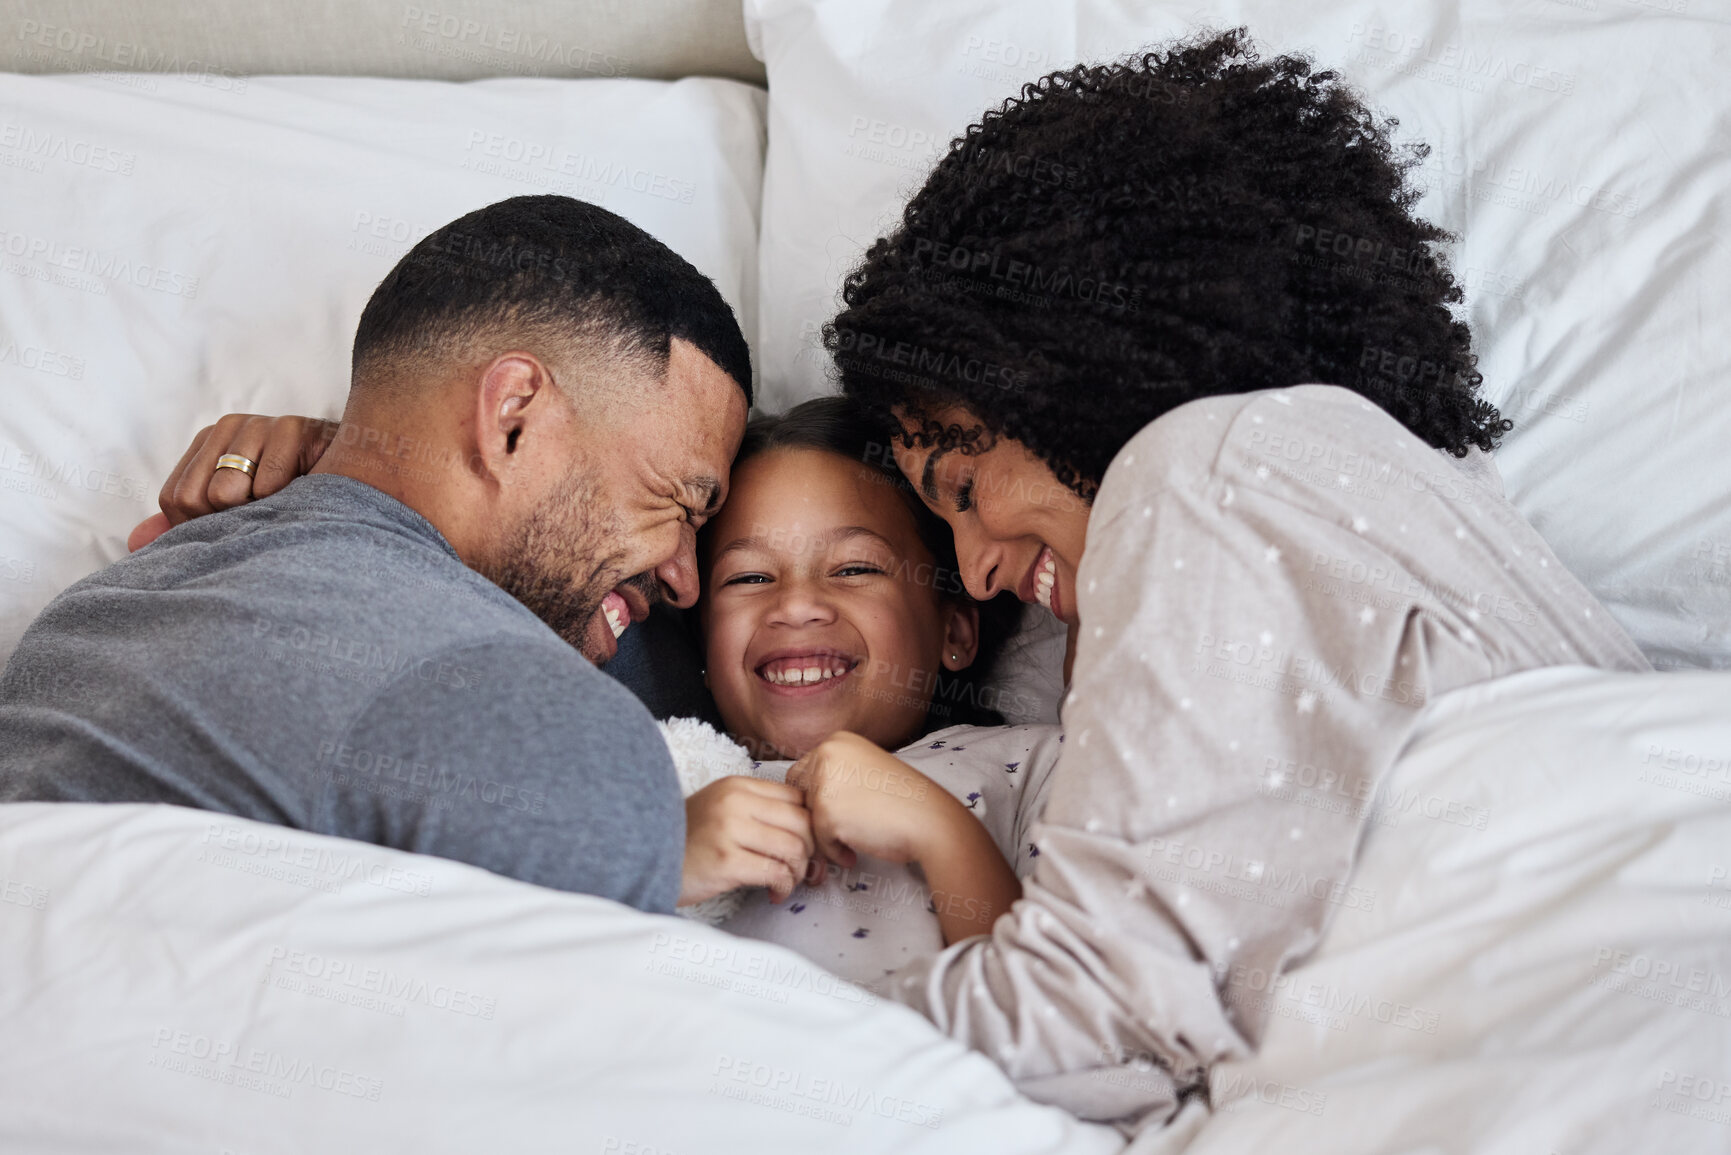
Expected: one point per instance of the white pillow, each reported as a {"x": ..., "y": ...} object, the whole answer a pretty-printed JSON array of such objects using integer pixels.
[
  {"x": 171, "y": 251},
  {"x": 1579, "y": 151}
]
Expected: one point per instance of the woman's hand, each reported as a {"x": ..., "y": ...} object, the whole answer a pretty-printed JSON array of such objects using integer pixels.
[
  {"x": 743, "y": 831},
  {"x": 283, "y": 447},
  {"x": 864, "y": 800}
]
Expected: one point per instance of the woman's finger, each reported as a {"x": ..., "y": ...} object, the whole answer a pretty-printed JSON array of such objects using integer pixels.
[
  {"x": 146, "y": 532},
  {"x": 292, "y": 446},
  {"x": 187, "y": 494},
  {"x": 228, "y": 488},
  {"x": 165, "y": 498}
]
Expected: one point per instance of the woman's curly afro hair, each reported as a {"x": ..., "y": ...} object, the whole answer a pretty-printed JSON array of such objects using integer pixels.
[{"x": 1121, "y": 239}]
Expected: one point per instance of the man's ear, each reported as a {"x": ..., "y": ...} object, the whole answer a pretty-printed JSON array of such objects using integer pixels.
[
  {"x": 512, "y": 387},
  {"x": 961, "y": 636}
]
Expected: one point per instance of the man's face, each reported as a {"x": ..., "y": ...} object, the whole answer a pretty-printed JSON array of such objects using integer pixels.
[{"x": 615, "y": 533}]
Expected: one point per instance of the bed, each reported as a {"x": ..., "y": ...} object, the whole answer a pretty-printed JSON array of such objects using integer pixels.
[{"x": 199, "y": 199}]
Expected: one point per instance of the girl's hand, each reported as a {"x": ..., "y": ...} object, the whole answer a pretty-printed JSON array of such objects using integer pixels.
[
  {"x": 743, "y": 831},
  {"x": 865, "y": 800}
]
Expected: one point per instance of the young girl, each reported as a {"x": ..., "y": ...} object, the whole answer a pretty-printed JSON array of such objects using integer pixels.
[{"x": 835, "y": 629}]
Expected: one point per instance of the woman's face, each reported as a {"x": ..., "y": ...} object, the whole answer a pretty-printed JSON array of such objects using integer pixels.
[
  {"x": 822, "y": 610},
  {"x": 1017, "y": 527}
]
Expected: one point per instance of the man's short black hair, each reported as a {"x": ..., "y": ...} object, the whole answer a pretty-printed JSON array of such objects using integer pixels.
[{"x": 547, "y": 267}]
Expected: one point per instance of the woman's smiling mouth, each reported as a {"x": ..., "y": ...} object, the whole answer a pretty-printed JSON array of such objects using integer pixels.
[
  {"x": 799, "y": 670},
  {"x": 1042, "y": 581}
]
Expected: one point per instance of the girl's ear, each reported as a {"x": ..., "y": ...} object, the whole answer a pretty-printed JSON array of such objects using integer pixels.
[{"x": 961, "y": 636}]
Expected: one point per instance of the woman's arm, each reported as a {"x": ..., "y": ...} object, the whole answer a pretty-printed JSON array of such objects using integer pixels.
[
  {"x": 283, "y": 448},
  {"x": 864, "y": 800}
]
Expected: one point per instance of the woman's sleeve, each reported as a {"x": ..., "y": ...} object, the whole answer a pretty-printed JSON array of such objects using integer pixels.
[{"x": 1226, "y": 728}]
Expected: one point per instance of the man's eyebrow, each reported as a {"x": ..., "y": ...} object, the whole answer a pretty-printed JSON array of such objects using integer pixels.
[{"x": 708, "y": 485}]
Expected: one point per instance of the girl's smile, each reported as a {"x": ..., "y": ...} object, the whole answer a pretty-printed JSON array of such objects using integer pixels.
[
  {"x": 806, "y": 670},
  {"x": 822, "y": 608}
]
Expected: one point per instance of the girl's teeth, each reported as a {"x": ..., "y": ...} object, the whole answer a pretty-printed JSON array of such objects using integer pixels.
[
  {"x": 614, "y": 623},
  {"x": 802, "y": 675}
]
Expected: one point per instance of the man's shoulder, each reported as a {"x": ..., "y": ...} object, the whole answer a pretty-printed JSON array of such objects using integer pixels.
[
  {"x": 329, "y": 540},
  {"x": 513, "y": 700},
  {"x": 539, "y": 669},
  {"x": 355, "y": 594}
]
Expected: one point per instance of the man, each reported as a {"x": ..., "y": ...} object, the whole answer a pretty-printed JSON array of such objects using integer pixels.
[{"x": 543, "y": 407}]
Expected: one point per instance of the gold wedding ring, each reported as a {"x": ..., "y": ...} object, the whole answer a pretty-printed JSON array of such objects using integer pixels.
[{"x": 235, "y": 461}]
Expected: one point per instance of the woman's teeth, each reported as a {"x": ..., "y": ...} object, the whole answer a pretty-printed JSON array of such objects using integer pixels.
[
  {"x": 803, "y": 671},
  {"x": 1046, "y": 578}
]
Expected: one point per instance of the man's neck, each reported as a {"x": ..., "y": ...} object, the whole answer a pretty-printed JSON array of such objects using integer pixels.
[{"x": 418, "y": 471}]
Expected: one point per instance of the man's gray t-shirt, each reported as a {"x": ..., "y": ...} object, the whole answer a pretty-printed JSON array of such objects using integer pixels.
[{"x": 322, "y": 659}]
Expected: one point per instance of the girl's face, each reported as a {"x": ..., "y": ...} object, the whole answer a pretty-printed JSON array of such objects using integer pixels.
[
  {"x": 822, "y": 610},
  {"x": 1017, "y": 527}
]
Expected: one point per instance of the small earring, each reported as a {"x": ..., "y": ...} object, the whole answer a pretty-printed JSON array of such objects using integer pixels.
[{"x": 955, "y": 657}]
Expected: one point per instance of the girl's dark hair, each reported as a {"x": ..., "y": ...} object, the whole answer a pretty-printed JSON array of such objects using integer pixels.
[
  {"x": 837, "y": 425},
  {"x": 1120, "y": 239}
]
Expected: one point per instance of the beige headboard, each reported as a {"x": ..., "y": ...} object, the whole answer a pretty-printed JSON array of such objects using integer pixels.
[{"x": 429, "y": 39}]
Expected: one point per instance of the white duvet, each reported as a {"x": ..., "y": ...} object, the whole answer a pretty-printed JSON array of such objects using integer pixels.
[{"x": 1539, "y": 960}]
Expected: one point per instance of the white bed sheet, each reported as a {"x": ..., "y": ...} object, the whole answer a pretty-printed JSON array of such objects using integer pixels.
[
  {"x": 1546, "y": 845},
  {"x": 178, "y": 981}
]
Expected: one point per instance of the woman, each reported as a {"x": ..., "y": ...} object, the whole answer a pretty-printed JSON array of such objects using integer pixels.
[
  {"x": 1265, "y": 577},
  {"x": 1204, "y": 399}
]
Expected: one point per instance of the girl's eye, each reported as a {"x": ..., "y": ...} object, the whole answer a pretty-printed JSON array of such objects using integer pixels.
[
  {"x": 965, "y": 496},
  {"x": 746, "y": 579},
  {"x": 858, "y": 569}
]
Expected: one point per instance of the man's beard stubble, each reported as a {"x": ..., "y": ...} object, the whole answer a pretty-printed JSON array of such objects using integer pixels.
[{"x": 562, "y": 561}]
